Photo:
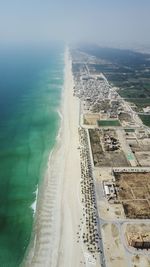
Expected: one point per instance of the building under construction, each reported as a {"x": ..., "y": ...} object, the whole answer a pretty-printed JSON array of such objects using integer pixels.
[{"x": 139, "y": 240}]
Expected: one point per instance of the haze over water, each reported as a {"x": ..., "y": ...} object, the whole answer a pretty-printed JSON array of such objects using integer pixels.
[{"x": 30, "y": 92}]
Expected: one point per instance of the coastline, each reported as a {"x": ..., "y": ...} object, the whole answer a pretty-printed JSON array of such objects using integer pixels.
[
  {"x": 45, "y": 204},
  {"x": 50, "y": 243}
]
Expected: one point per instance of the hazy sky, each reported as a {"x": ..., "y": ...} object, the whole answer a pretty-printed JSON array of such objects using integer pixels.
[{"x": 106, "y": 21}]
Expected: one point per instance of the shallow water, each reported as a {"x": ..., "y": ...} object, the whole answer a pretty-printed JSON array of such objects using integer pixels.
[{"x": 30, "y": 93}]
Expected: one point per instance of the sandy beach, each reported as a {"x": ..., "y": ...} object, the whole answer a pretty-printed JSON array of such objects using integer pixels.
[{"x": 59, "y": 209}]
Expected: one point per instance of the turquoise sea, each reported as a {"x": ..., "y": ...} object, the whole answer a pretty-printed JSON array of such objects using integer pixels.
[{"x": 31, "y": 81}]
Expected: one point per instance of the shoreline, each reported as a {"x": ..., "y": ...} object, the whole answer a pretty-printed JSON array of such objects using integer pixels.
[
  {"x": 44, "y": 189},
  {"x": 50, "y": 243}
]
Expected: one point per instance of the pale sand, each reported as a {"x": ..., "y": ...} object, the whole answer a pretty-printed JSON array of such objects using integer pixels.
[
  {"x": 58, "y": 207},
  {"x": 115, "y": 253}
]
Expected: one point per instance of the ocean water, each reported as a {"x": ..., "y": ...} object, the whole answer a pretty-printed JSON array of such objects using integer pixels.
[{"x": 31, "y": 81}]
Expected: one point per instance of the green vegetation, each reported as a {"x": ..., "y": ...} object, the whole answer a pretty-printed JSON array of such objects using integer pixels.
[
  {"x": 145, "y": 119},
  {"x": 108, "y": 123},
  {"x": 133, "y": 93},
  {"x": 127, "y": 70},
  {"x": 129, "y": 130},
  {"x": 138, "y": 89},
  {"x": 140, "y": 102}
]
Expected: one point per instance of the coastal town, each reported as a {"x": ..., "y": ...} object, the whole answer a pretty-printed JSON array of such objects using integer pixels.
[
  {"x": 75, "y": 133},
  {"x": 94, "y": 209},
  {"x": 114, "y": 145}
]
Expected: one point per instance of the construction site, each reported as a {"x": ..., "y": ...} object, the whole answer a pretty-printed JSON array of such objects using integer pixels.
[
  {"x": 106, "y": 148},
  {"x": 133, "y": 191},
  {"x": 125, "y": 118},
  {"x": 138, "y": 236},
  {"x": 119, "y": 159},
  {"x": 139, "y": 143}
]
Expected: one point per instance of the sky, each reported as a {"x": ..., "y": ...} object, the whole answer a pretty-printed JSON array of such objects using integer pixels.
[{"x": 98, "y": 21}]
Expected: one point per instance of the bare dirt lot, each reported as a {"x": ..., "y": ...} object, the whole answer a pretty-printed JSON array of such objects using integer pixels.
[
  {"x": 143, "y": 145},
  {"x": 91, "y": 119},
  {"x": 125, "y": 117},
  {"x": 140, "y": 149},
  {"x": 106, "y": 149},
  {"x": 108, "y": 211},
  {"x": 140, "y": 261},
  {"x": 137, "y": 236},
  {"x": 143, "y": 158},
  {"x": 137, "y": 228},
  {"x": 134, "y": 193},
  {"x": 114, "y": 250}
]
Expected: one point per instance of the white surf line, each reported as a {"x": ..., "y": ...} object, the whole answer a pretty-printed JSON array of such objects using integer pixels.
[{"x": 34, "y": 204}]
